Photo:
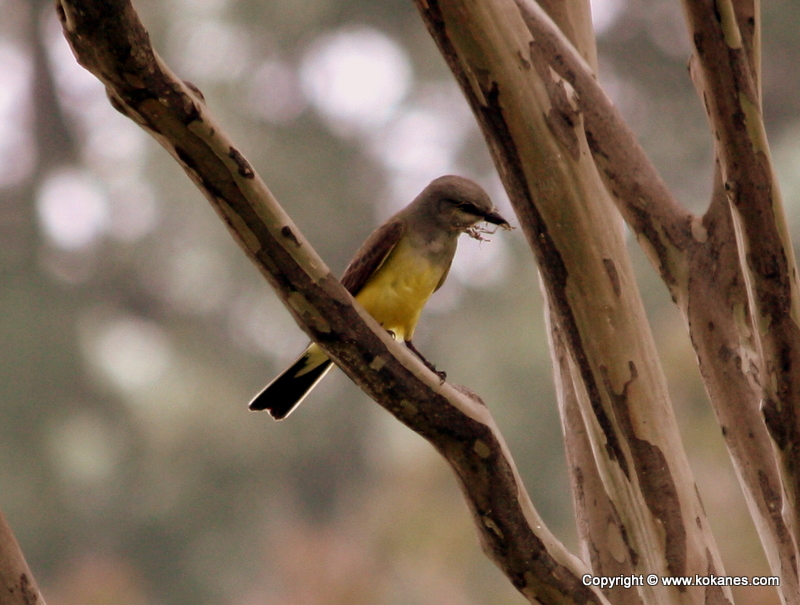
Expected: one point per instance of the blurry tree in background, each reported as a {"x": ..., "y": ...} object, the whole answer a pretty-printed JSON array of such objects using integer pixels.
[{"x": 134, "y": 331}]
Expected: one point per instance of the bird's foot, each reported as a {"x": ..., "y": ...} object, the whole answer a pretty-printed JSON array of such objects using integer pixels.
[{"x": 441, "y": 374}]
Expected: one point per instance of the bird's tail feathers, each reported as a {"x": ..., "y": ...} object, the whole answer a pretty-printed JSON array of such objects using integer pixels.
[{"x": 281, "y": 396}]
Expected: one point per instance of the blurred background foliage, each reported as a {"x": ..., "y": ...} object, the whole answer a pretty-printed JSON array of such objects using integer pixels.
[{"x": 134, "y": 331}]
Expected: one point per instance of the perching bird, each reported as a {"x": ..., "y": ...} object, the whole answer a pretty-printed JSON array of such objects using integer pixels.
[{"x": 392, "y": 275}]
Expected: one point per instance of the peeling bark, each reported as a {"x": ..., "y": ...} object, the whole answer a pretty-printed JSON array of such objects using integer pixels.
[
  {"x": 569, "y": 164},
  {"x": 109, "y": 41},
  {"x": 534, "y": 124}
]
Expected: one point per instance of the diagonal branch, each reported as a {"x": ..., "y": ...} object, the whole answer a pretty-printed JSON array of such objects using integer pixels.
[
  {"x": 702, "y": 272},
  {"x": 698, "y": 260},
  {"x": 732, "y": 102},
  {"x": 661, "y": 224},
  {"x": 747, "y": 271},
  {"x": 109, "y": 41},
  {"x": 17, "y": 585},
  {"x": 718, "y": 315},
  {"x": 603, "y": 535},
  {"x": 534, "y": 125},
  {"x": 604, "y": 542}
]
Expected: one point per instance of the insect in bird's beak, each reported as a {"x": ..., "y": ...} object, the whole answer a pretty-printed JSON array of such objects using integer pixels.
[{"x": 477, "y": 232}]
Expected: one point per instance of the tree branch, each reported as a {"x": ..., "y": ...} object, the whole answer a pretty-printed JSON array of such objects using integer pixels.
[
  {"x": 534, "y": 125},
  {"x": 732, "y": 102},
  {"x": 699, "y": 262},
  {"x": 662, "y": 226},
  {"x": 604, "y": 540},
  {"x": 603, "y": 536},
  {"x": 718, "y": 315},
  {"x": 736, "y": 356},
  {"x": 17, "y": 585},
  {"x": 109, "y": 41}
]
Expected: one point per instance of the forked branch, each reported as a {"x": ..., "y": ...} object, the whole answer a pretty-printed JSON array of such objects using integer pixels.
[
  {"x": 745, "y": 361},
  {"x": 109, "y": 41},
  {"x": 535, "y": 126}
]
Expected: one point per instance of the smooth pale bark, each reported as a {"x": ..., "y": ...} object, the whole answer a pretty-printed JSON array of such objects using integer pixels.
[
  {"x": 532, "y": 121},
  {"x": 108, "y": 39},
  {"x": 698, "y": 259},
  {"x": 566, "y": 158},
  {"x": 756, "y": 347},
  {"x": 17, "y": 586},
  {"x": 603, "y": 541}
]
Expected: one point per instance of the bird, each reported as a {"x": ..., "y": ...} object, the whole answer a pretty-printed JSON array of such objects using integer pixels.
[{"x": 394, "y": 273}]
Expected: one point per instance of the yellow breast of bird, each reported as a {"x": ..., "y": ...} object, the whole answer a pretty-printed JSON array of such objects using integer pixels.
[{"x": 399, "y": 289}]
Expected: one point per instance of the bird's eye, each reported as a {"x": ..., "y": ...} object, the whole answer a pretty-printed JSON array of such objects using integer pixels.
[{"x": 467, "y": 207}]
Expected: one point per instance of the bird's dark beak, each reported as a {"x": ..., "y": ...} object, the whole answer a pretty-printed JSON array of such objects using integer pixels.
[{"x": 496, "y": 219}]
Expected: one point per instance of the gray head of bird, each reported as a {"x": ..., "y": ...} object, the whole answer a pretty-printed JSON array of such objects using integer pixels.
[{"x": 459, "y": 204}]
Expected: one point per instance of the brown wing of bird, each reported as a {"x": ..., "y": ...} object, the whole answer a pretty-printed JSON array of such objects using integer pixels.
[{"x": 372, "y": 254}]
